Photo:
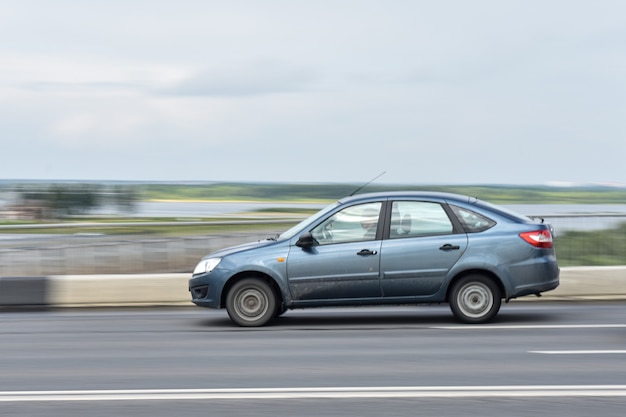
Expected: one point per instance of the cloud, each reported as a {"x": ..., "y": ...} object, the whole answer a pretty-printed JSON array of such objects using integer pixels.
[
  {"x": 430, "y": 91},
  {"x": 98, "y": 129},
  {"x": 82, "y": 87},
  {"x": 246, "y": 79}
]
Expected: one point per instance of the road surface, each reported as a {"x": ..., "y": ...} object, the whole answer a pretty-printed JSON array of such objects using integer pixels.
[{"x": 537, "y": 358}]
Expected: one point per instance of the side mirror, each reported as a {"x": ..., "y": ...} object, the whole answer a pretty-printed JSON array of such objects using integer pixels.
[{"x": 306, "y": 240}]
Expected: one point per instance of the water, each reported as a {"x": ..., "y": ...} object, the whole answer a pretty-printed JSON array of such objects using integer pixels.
[
  {"x": 562, "y": 216},
  {"x": 210, "y": 209},
  {"x": 584, "y": 217},
  {"x": 566, "y": 209},
  {"x": 207, "y": 209}
]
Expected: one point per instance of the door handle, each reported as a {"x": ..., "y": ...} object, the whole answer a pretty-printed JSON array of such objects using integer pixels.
[
  {"x": 366, "y": 252},
  {"x": 448, "y": 247}
]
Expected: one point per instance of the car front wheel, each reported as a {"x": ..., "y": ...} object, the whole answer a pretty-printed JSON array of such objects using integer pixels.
[
  {"x": 251, "y": 302},
  {"x": 475, "y": 299}
]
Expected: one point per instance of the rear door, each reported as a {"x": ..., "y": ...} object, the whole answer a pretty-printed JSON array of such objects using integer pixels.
[{"x": 422, "y": 246}]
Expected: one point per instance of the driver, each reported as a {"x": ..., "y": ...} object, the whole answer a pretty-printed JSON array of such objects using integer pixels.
[{"x": 369, "y": 223}]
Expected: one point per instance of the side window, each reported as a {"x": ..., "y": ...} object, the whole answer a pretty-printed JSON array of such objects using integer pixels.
[
  {"x": 418, "y": 218},
  {"x": 352, "y": 224},
  {"x": 471, "y": 221}
]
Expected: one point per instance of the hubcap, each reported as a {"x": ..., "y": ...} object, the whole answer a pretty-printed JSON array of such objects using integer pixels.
[
  {"x": 251, "y": 304},
  {"x": 475, "y": 300}
]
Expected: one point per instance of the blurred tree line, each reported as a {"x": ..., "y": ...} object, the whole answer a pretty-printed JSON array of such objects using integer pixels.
[
  {"x": 125, "y": 194},
  {"x": 63, "y": 200},
  {"x": 212, "y": 191}
]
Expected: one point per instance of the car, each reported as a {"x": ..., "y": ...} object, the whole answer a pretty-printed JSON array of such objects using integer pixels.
[{"x": 393, "y": 248}]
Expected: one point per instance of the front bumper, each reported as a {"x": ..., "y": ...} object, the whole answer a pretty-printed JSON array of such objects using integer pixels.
[{"x": 206, "y": 289}]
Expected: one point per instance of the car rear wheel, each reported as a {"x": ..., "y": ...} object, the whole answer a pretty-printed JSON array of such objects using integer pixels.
[
  {"x": 251, "y": 302},
  {"x": 475, "y": 299}
]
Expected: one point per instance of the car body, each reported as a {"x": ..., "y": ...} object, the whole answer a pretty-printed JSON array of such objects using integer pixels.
[{"x": 385, "y": 249}]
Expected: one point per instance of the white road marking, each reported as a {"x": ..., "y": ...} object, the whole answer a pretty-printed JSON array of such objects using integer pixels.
[
  {"x": 306, "y": 393},
  {"x": 578, "y": 352}
]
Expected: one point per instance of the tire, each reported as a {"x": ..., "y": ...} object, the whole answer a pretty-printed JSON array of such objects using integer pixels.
[
  {"x": 280, "y": 310},
  {"x": 475, "y": 299},
  {"x": 251, "y": 302}
]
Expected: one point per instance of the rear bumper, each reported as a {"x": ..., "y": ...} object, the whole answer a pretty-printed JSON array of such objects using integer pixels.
[{"x": 536, "y": 289}]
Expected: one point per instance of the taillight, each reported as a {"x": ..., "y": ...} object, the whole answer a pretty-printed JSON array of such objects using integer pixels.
[{"x": 538, "y": 238}]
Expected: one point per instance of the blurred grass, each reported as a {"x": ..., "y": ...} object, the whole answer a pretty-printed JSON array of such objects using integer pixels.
[
  {"x": 172, "y": 231},
  {"x": 282, "y": 219},
  {"x": 593, "y": 248}
]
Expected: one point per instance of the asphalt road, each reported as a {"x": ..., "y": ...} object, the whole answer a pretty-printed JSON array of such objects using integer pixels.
[{"x": 538, "y": 358}]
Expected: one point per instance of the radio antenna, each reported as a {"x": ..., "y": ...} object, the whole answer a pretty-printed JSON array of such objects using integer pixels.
[{"x": 368, "y": 183}]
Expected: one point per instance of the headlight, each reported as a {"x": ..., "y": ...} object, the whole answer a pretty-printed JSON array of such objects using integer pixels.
[{"x": 206, "y": 265}]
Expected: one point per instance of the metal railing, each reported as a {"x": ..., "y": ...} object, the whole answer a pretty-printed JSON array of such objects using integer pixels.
[{"x": 86, "y": 254}]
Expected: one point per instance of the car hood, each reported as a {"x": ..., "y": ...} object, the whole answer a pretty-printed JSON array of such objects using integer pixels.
[{"x": 241, "y": 248}]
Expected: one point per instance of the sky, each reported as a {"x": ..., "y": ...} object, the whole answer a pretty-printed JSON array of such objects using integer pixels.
[{"x": 325, "y": 91}]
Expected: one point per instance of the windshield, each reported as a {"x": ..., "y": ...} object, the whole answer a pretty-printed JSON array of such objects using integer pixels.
[{"x": 288, "y": 234}]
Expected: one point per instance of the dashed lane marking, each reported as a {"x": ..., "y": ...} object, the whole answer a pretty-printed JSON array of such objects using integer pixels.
[
  {"x": 532, "y": 327},
  {"x": 578, "y": 352}
]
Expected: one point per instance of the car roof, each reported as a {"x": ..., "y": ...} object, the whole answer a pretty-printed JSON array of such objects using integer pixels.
[
  {"x": 431, "y": 195},
  {"x": 437, "y": 196}
]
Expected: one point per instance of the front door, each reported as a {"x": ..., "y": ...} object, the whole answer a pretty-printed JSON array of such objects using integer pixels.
[{"x": 345, "y": 261}]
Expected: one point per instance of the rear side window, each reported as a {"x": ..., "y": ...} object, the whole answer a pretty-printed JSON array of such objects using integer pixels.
[
  {"x": 418, "y": 218},
  {"x": 471, "y": 221}
]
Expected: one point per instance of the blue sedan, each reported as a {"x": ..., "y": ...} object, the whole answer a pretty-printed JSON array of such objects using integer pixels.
[{"x": 385, "y": 249}]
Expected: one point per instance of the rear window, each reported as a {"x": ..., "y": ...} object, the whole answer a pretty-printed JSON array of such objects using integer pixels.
[{"x": 471, "y": 221}]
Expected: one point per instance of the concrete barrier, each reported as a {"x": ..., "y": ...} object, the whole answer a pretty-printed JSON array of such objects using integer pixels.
[
  {"x": 588, "y": 283},
  {"x": 119, "y": 290},
  {"x": 577, "y": 283}
]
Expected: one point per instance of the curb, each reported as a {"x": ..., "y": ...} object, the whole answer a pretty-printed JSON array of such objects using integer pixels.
[{"x": 577, "y": 283}]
